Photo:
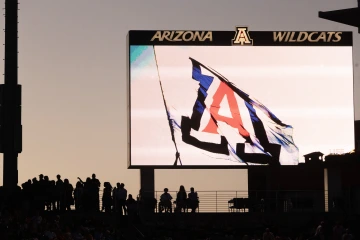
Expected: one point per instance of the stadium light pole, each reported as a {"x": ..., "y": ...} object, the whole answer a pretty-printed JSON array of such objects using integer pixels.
[
  {"x": 10, "y": 100},
  {"x": 350, "y": 16}
]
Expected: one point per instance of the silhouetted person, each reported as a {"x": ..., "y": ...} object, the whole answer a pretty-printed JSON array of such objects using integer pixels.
[
  {"x": 116, "y": 198},
  {"x": 319, "y": 232},
  {"x": 131, "y": 205},
  {"x": 78, "y": 196},
  {"x": 47, "y": 193},
  {"x": 268, "y": 235},
  {"x": 300, "y": 237},
  {"x": 165, "y": 201},
  {"x": 59, "y": 192},
  {"x": 181, "y": 199},
  {"x": 193, "y": 200},
  {"x": 106, "y": 198},
  {"x": 347, "y": 235},
  {"x": 262, "y": 205},
  {"x": 27, "y": 196},
  {"x": 36, "y": 193},
  {"x": 52, "y": 192},
  {"x": 35, "y": 222},
  {"x": 338, "y": 231},
  {"x": 41, "y": 192},
  {"x": 95, "y": 192},
  {"x": 68, "y": 195},
  {"x": 87, "y": 201},
  {"x": 114, "y": 204},
  {"x": 245, "y": 237},
  {"x": 121, "y": 195},
  {"x": 139, "y": 196}
]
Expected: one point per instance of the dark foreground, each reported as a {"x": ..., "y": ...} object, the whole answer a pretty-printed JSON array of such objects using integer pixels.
[{"x": 105, "y": 226}]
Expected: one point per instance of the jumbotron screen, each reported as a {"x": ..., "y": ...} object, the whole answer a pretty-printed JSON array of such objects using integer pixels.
[{"x": 238, "y": 98}]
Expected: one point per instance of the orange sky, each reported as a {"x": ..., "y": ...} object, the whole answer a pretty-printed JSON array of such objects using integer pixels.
[{"x": 72, "y": 66}]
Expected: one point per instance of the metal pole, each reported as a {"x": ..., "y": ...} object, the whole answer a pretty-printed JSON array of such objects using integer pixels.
[
  {"x": 216, "y": 202},
  {"x": 10, "y": 99}
]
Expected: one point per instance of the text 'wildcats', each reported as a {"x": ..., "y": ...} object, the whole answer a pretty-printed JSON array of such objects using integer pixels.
[
  {"x": 182, "y": 36},
  {"x": 299, "y": 37}
]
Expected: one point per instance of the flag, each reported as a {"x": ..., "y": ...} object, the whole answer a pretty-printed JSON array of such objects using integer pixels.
[{"x": 267, "y": 140}]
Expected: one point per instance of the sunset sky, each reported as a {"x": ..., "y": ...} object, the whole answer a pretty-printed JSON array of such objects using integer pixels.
[{"x": 72, "y": 66}]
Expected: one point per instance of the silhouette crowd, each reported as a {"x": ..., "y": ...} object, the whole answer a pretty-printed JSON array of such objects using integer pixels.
[
  {"x": 44, "y": 194},
  {"x": 41, "y": 194}
]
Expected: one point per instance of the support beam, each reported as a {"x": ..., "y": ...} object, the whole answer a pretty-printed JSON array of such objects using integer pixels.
[
  {"x": 335, "y": 190},
  {"x": 147, "y": 182},
  {"x": 10, "y": 99}
]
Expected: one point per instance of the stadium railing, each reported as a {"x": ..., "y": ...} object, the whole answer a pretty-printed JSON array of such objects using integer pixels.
[{"x": 257, "y": 201}]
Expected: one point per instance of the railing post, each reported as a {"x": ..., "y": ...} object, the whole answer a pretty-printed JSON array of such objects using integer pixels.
[
  {"x": 314, "y": 203},
  {"x": 157, "y": 203},
  {"x": 277, "y": 201},
  {"x": 216, "y": 201},
  {"x": 348, "y": 200}
]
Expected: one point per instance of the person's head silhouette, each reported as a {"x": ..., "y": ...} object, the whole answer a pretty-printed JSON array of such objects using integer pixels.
[
  {"x": 93, "y": 176},
  {"x": 182, "y": 188}
]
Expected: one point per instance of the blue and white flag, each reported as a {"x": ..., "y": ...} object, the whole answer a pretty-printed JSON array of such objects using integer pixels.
[
  {"x": 214, "y": 122},
  {"x": 266, "y": 141}
]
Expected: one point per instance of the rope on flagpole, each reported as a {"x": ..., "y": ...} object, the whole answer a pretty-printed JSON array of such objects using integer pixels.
[{"x": 177, "y": 155}]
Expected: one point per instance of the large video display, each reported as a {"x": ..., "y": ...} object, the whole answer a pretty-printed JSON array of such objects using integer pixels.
[{"x": 207, "y": 105}]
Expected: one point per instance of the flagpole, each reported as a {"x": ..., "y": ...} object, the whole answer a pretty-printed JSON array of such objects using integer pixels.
[{"x": 177, "y": 155}]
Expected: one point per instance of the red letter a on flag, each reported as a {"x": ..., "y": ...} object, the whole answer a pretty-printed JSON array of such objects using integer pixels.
[{"x": 235, "y": 121}]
